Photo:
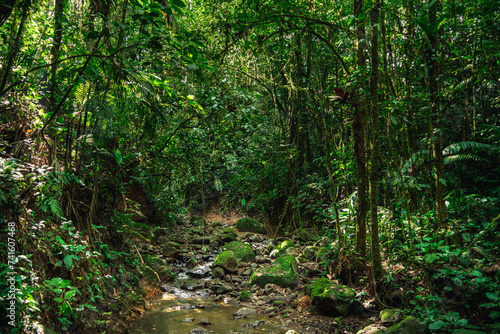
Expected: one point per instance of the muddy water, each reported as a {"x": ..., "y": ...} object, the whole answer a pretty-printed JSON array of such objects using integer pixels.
[{"x": 179, "y": 311}]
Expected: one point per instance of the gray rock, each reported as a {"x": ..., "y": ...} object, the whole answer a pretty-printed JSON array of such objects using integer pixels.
[
  {"x": 372, "y": 329},
  {"x": 245, "y": 312},
  {"x": 217, "y": 272},
  {"x": 204, "y": 322},
  {"x": 199, "y": 330},
  {"x": 202, "y": 240},
  {"x": 199, "y": 271}
]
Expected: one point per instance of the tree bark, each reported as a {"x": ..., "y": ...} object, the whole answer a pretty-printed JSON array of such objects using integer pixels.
[
  {"x": 437, "y": 149},
  {"x": 359, "y": 126},
  {"x": 374, "y": 155}
]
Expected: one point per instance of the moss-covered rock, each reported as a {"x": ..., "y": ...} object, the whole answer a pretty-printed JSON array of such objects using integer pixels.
[
  {"x": 152, "y": 261},
  {"x": 245, "y": 296},
  {"x": 156, "y": 269},
  {"x": 372, "y": 329},
  {"x": 229, "y": 235},
  {"x": 390, "y": 316},
  {"x": 242, "y": 251},
  {"x": 282, "y": 272},
  {"x": 248, "y": 224},
  {"x": 227, "y": 260},
  {"x": 408, "y": 326},
  {"x": 281, "y": 248},
  {"x": 332, "y": 299}
]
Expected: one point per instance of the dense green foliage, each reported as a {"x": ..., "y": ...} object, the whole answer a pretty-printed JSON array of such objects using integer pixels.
[{"x": 121, "y": 116}]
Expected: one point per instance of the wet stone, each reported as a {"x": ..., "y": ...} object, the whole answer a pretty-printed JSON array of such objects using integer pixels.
[
  {"x": 204, "y": 322},
  {"x": 245, "y": 312}
]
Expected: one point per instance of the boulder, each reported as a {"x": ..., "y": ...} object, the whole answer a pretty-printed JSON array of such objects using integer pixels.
[
  {"x": 332, "y": 299},
  {"x": 226, "y": 260},
  {"x": 248, "y": 224},
  {"x": 229, "y": 235},
  {"x": 408, "y": 326},
  {"x": 390, "y": 316},
  {"x": 156, "y": 266},
  {"x": 242, "y": 251},
  {"x": 282, "y": 272},
  {"x": 281, "y": 248}
]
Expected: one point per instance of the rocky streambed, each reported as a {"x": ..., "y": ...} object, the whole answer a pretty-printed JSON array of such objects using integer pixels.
[{"x": 218, "y": 278}]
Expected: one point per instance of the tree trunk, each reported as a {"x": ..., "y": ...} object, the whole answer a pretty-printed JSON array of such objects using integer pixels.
[
  {"x": 374, "y": 155},
  {"x": 359, "y": 126},
  {"x": 437, "y": 149}
]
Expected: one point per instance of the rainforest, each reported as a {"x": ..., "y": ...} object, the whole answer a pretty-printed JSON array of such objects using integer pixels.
[{"x": 250, "y": 166}]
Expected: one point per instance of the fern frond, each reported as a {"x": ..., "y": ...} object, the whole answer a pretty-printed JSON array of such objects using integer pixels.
[
  {"x": 459, "y": 147},
  {"x": 463, "y": 157}
]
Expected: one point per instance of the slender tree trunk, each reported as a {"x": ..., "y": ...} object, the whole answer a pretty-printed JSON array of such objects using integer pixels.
[
  {"x": 359, "y": 126},
  {"x": 15, "y": 48},
  {"x": 437, "y": 149},
  {"x": 56, "y": 50},
  {"x": 374, "y": 155}
]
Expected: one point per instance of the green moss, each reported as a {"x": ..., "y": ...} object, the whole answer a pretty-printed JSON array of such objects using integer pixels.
[
  {"x": 330, "y": 298},
  {"x": 245, "y": 296},
  {"x": 280, "y": 249},
  {"x": 248, "y": 224},
  {"x": 282, "y": 272},
  {"x": 226, "y": 260},
  {"x": 408, "y": 326},
  {"x": 152, "y": 261},
  {"x": 242, "y": 251}
]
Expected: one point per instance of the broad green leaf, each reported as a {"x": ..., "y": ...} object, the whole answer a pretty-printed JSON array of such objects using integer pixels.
[
  {"x": 68, "y": 261},
  {"x": 493, "y": 296},
  {"x": 68, "y": 295},
  {"x": 57, "y": 291},
  {"x": 118, "y": 157},
  {"x": 430, "y": 258},
  {"x": 438, "y": 325},
  {"x": 58, "y": 300},
  {"x": 476, "y": 273},
  {"x": 61, "y": 241}
]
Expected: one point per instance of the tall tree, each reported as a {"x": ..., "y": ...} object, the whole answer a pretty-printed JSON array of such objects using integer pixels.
[
  {"x": 435, "y": 131},
  {"x": 359, "y": 126},
  {"x": 375, "y": 139}
]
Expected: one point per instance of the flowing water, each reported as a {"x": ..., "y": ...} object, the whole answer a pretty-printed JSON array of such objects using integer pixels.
[{"x": 186, "y": 303}]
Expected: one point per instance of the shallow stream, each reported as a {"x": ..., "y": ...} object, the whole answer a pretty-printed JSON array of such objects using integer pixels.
[{"x": 186, "y": 305}]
